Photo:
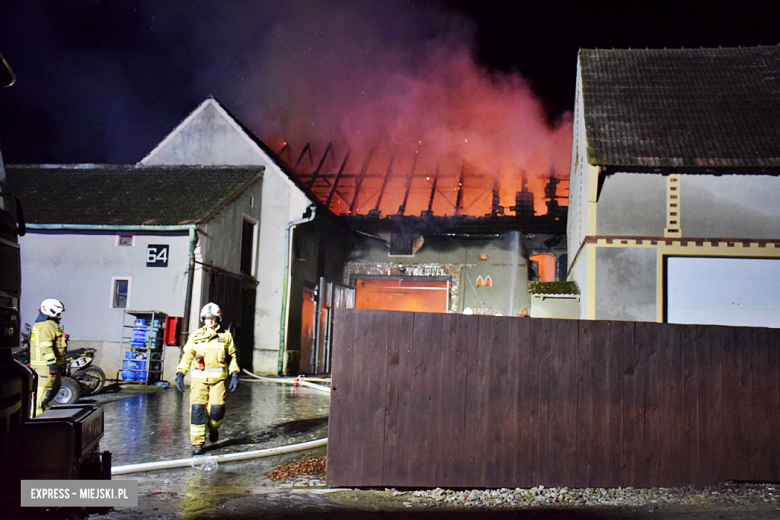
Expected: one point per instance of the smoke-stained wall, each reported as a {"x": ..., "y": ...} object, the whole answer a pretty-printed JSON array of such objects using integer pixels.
[
  {"x": 505, "y": 263},
  {"x": 626, "y": 284}
]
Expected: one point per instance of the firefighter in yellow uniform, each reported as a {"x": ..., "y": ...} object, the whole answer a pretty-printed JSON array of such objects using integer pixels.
[
  {"x": 212, "y": 355},
  {"x": 48, "y": 345}
]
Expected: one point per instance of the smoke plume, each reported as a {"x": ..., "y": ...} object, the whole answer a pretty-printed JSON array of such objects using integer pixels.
[{"x": 398, "y": 78}]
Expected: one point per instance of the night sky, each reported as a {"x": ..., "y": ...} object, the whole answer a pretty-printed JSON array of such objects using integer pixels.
[{"x": 104, "y": 82}]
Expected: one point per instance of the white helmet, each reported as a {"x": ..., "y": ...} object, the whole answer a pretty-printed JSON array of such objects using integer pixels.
[
  {"x": 211, "y": 310},
  {"x": 52, "y": 307}
]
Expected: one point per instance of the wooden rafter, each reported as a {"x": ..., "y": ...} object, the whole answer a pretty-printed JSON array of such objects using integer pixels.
[
  {"x": 319, "y": 166},
  {"x": 306, "y": 148},
  {"x": 433, "y": 188},
  {"x": 336, "y": 181},
  {"x": 337, "y": 193},
  {"x": 388, "y": 174},
  {"x": 459, "y": 199},
  {"x": 402, "y": 207},
  {"x": 288, "y": 149},
  {"x": 360, "y": 178}
]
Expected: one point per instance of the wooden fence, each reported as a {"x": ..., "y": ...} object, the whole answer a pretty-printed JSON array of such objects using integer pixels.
[{"x": 427, "y": 400}]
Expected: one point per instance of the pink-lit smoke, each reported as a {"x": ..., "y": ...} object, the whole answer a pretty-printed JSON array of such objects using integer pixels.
[{"x": 399, "y": 77}]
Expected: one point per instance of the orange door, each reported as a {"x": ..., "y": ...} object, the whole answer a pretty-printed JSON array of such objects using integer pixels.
[{"x": 394, "y": 294}]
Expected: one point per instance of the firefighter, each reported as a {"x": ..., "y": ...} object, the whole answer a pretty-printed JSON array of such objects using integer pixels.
[
  {"x": 48, "y": 345},
  {"x": 212, "y": 355}
]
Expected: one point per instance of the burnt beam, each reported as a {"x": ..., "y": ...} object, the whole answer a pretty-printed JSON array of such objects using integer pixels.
[
  {"x": 388, "y": 174},
  {"x": 288, "y": 149},
  {"x": 306, "y": 148},
  {"x": 359, "y": 180},
  {"x": 402, "y": 207},
  {"x": 319, "y": 166},
  {"x": 459, "y": 199},
  {"x": 336, "y": 181},
  {"x": 433, "y": 191}
]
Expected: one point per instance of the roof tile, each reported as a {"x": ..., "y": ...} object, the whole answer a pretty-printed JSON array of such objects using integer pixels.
[
  {"x": 124, "y": 194},
  {"x": 682, "y": 107}
]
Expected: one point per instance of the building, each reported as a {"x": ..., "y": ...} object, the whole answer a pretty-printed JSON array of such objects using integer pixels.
[
  {"x": 674, "y": 199},
  {"x": 300, "y": 244},
  {"x": 479, "y": 264},
  {"x": 106, "y": 239}
]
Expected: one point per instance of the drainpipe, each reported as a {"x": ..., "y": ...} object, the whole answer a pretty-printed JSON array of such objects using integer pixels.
[
  {"x": 285, "y": 295},
  {"x": 190, "y": 276}
]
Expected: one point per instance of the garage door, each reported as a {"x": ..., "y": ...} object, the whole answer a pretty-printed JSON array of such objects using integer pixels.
[
  {"x": 723, "y": 291},
  {"x": 409, "y": 294}
]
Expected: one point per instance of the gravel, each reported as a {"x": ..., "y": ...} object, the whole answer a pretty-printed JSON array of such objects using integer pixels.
[{"x": 727, "y": 495}]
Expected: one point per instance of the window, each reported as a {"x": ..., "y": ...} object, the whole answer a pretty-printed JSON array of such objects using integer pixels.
[
  {"x": 120, "y": 292},
  {"x": 248, "y": 241},
  {"x": 124, "y": 240}
]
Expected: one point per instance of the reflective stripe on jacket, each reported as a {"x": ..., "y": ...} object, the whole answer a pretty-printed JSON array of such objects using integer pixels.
[{"x": 217, "y": 350}]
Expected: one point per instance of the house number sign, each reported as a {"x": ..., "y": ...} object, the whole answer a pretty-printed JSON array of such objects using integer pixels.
[{"x": 157, "y": 255}]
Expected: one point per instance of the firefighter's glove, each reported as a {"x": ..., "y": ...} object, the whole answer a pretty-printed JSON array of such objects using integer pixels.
[
  {"x": 180, "y": 381},
  {"x": 233, "y": 384},
  {"x": 54, "y": 369}
]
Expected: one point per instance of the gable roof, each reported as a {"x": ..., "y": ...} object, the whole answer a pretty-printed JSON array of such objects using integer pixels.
[
  {"x": 212, "y": 135},
  {"x": 89, "y": 194},
  {"x": 694, "y": 108}
]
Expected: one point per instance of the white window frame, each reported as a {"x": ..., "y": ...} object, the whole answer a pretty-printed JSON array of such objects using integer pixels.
[{"x": 115, "y": 279}]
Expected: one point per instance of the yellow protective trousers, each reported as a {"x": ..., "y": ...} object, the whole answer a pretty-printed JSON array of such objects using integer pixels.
[
  {"x": 207, "y": 403},
  {"x": 48, "y": 386}
]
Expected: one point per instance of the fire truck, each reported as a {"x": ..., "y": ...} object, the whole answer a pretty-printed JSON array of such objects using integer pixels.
[{"x": 62, "y": 442}]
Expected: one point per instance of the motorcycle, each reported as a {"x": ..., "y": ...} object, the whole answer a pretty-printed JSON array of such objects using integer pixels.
[{"x": 80, "y": 377}]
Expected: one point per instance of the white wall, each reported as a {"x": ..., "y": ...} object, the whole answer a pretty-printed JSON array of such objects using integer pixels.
[
  {"x": 747, "y": 206},
  {"x": 77, "y": 268},
  {"x": 577, "y": 219},
  {"x": 270, "y": 273}
]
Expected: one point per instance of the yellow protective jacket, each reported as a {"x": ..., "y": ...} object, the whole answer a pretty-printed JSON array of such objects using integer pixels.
[
  {"x": 48, "y": 344},
  {"x": 217, "y": 351}
]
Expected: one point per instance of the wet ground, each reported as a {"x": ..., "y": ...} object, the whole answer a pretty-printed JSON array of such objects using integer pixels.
[
  {"x": 154, "y": 425},
  {"x": 145, "y": 424}
]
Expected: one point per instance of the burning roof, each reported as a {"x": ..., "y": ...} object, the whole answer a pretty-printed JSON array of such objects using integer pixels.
[{"x": 398, "y": 186}]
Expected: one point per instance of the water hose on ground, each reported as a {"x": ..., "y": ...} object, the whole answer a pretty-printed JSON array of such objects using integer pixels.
[
  {"x": 289, "y": 381},
  {"x": 230, "y": 457}
]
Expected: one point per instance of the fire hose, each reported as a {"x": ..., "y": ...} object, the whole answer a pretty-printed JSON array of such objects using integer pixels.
[{"x": 230, "y": 457}]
